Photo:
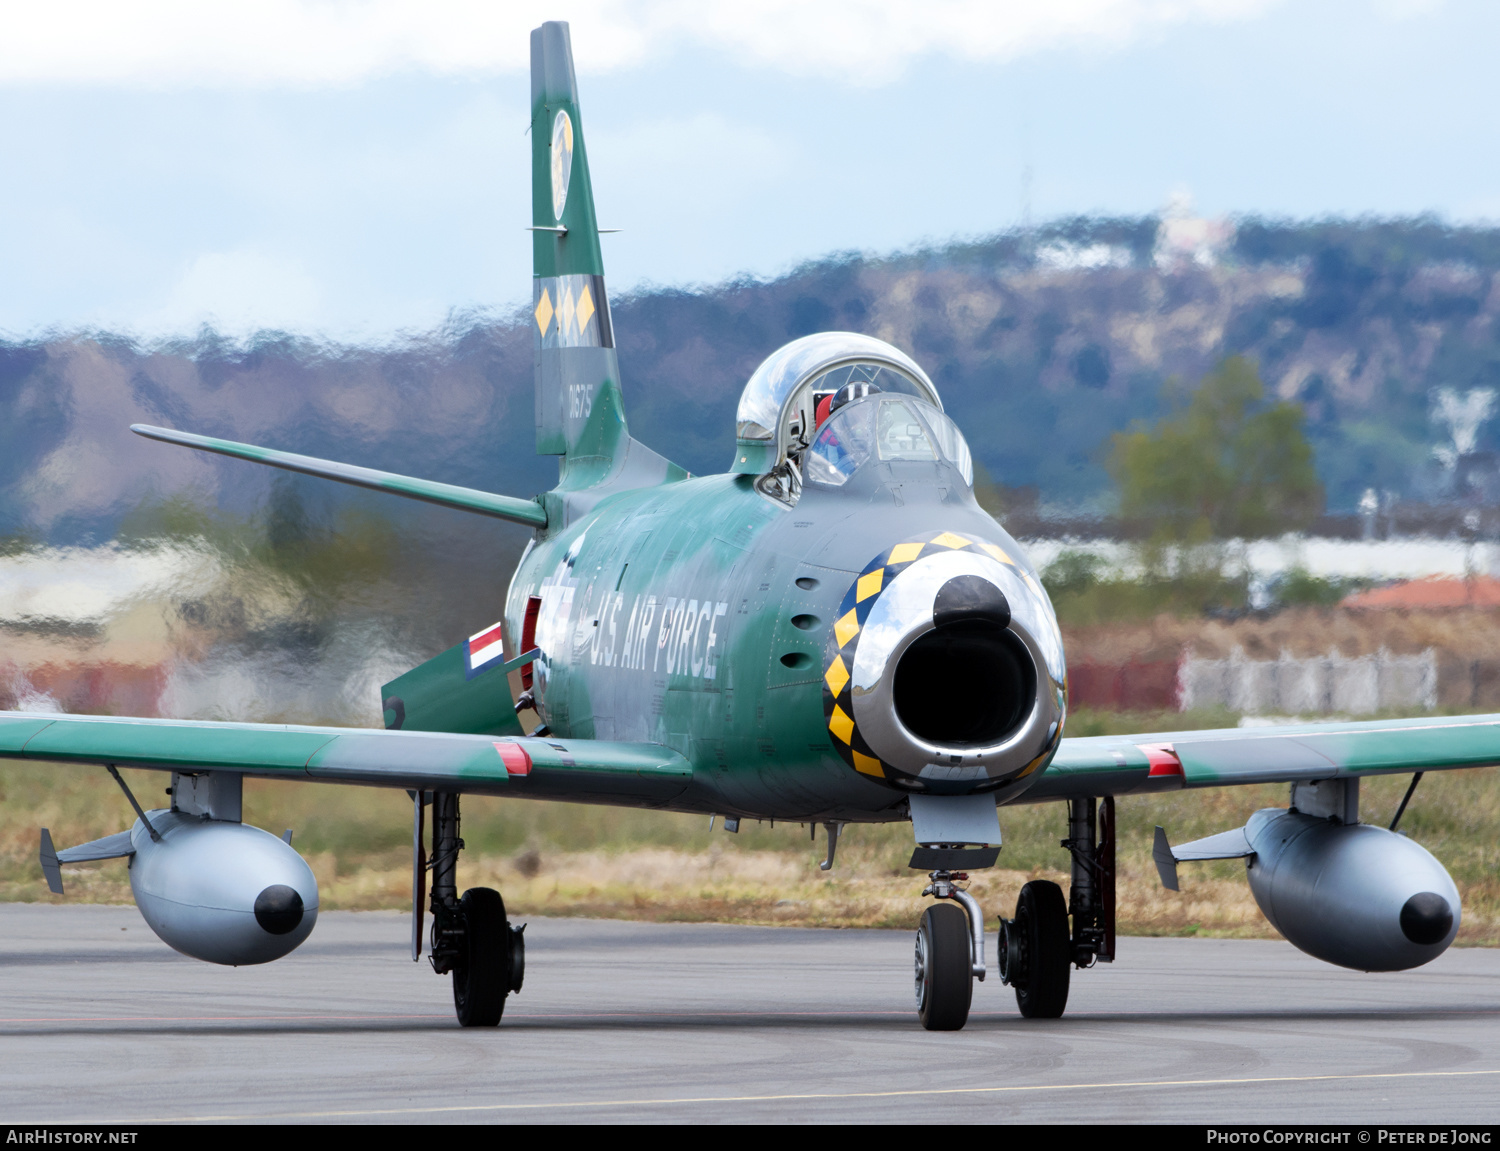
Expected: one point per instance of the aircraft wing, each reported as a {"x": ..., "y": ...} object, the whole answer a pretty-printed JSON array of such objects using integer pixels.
[
  {"x": 527, "y": 512},
  {"x": 643, "y": 774},
  {"x": 1162, "y": 761}
]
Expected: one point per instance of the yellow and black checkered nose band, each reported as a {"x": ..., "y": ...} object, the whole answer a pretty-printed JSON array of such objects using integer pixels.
[{"x": 843, "y": 641}]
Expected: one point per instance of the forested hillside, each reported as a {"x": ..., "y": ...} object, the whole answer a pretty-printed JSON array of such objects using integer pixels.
[{"x": 1043, "y": 343}]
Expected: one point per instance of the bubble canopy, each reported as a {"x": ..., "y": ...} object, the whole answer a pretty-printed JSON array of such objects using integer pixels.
[
  {"x": 887, "y": 428},
  {"x": 777, "y": 408}
]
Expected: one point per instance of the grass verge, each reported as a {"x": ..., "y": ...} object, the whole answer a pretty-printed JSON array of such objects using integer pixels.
[{"x": 567, "y": 859}]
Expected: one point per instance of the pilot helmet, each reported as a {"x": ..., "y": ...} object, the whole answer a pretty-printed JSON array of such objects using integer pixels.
[{"x": 850, "y": 392}]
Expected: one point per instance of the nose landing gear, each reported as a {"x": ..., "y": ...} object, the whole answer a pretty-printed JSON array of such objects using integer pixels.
[
  {"x": 1037, "y": 949},
  {"x": 950, "y": 954}
]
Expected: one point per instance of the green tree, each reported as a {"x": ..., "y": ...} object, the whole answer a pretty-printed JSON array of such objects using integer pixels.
[{"x": 1223, "y": 463}]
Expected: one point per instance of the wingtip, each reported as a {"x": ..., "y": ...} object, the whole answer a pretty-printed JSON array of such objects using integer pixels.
[{"x": 166, "y": 435}]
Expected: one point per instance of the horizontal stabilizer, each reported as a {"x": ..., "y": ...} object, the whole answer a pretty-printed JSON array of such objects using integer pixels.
[
  {"x": 457, "y": 692},
  {"x": 1226, "y": 845},
  {"x": 116, "y": 846},
  {"x": 516, "y": 510}
]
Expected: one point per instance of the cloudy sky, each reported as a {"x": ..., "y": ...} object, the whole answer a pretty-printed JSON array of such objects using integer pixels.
[{"x": 357, "y": 168}]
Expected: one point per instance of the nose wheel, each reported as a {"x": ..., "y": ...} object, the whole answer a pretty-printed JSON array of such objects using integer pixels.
[
  {"x": 945, "y": 982},
  {"x": 950, "y": 953}
]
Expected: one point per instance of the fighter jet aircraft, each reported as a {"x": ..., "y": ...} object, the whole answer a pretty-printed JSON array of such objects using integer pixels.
[{"x": 829, "y": 632}]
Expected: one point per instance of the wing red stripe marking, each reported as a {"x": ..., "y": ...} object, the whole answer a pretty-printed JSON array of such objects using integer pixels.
[
  {"x": 1162, "y": 757},
  {"x": 517, "y": 762}
]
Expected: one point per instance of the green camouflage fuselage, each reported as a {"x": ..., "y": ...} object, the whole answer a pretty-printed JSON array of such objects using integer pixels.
[{"x": 699, "y": 614}]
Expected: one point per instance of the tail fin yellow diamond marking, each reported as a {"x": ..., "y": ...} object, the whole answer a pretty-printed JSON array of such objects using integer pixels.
[
  {"x": 544, "y": 312},
  {"x": 585, "y": 308}
]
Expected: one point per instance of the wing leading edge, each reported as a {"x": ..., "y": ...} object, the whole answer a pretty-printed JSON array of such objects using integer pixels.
[
  {"x": 583, "y": 770},
  {"x": 651, "y": 774},
  {"x": 1163, "y": 761}
]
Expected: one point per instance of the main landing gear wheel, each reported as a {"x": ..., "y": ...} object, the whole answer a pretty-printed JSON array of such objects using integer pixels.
[
  {"x": 1035, "y": 952},
  {"x": 944, "y": 968},
  {"x": 492, "y": 961}
]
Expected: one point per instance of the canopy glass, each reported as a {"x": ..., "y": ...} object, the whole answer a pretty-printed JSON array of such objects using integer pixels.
[
  {"x": 886, "y": 428},
  {"x": 778, "y": 406}
]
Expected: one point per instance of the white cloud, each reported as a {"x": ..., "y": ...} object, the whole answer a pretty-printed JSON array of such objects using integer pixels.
[
  {"x": 865, "y": 41},
  {"x": 1065, "y": 257},
  {"x": 164, "y": 43},
  {"x": 1407, "y": 9},
  {"x": 239, "y": 291},
  {"x": 301, "y": 43}
]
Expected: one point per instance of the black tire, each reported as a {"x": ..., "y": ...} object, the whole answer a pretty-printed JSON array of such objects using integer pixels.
[
  {"x": 944, "y": 968},
  {"x": 1042, "y": 921},
  {"x": 481, "y": 977},
  {"x": 517, "y": 937}
]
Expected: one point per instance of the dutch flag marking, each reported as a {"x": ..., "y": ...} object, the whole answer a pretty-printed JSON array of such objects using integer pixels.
[{"x": 483, "y": 651}]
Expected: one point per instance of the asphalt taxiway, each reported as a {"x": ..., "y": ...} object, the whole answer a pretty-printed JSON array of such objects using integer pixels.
[{"x": 623, "y": 1022}]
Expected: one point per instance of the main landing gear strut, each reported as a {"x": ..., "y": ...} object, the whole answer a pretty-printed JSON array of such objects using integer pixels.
[
  {"x": 1036, "y": 950},
  {"x": 471, "y": 937}
]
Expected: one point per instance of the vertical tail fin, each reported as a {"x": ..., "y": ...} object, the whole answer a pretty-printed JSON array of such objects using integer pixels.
[{"x": 579, "y": 413}]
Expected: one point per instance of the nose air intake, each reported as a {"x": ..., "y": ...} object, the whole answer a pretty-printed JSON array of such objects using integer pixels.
[
  {"x": 943, "y": 669},
  {"x": 970, "y": 680}
]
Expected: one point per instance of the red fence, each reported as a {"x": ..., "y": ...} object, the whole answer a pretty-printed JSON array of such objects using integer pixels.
[
  {"x": 87, "y": 689},
  {"x": 1135, "y": 685}
]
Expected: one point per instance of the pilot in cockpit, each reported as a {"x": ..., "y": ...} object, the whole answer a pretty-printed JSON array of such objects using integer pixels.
[
  {"x": 835, "y": 400},
  {"x": 867, "y": 400},
  {"x": 831, "y": 447}
]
